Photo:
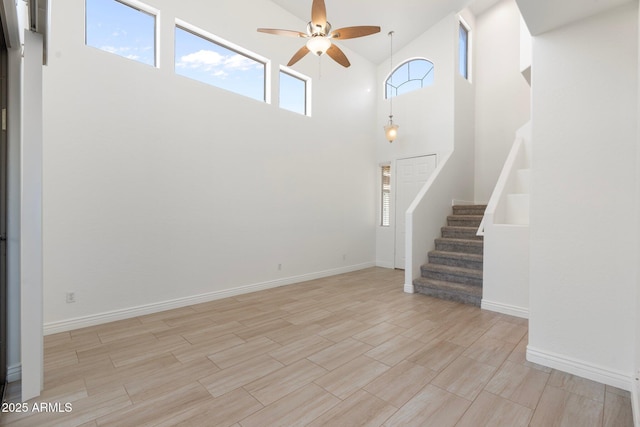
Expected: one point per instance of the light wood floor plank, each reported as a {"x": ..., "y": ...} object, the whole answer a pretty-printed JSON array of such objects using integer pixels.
[
  {"x": 431, "y": 406},
  {"x": 489, "y": 410},
  {"x": 279, "y": 383},
  {"x": 347, "y": 350},
  {"x": 297, "y": 409}
]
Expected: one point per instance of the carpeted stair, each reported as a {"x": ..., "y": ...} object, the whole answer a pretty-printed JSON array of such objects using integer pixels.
[{"x": 454, "y": 270}]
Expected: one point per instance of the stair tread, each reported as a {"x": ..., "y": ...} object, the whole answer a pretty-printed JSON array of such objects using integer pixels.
[
  {"x": 454, "y": 271},
  {"x": 460, "y": 232},
  {"x": 454, "y": 240},
  {"x": 460, "y": 271},
  {"x": 457, "y": 255},
  {"x": 450, "y": 286},
  {"x": 471, "y": 207}
]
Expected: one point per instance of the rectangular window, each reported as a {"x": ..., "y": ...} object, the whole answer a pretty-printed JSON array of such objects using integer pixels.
[
  {"x": 463, "y": 50},
  {"x": 386, "y": 196},
  {"x": 209, "y": 59},
  {"x": 294, "y": 92},
  {"x": 121, "y": 28}
]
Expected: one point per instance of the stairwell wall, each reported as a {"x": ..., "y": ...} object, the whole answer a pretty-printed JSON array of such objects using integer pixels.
[
  {"x": 583, "y": 279},
  {"x": 453, "y": 178},
  {"x": 425, "y": 117},
  {"x": 433, "y": 120},
  {"x": 503, "y": 96}
]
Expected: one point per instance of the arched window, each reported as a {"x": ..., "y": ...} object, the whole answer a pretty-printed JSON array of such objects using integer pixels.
[{"x": 410, "y": 75}]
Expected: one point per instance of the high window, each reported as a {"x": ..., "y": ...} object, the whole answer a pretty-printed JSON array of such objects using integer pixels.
[
  {"x": 204, "y": 57},
  {"x": 294, "y": 91},
  {"x": 409, "y": 76},
  {"x": 463, "y": 50},
  {"x": 127, "y": 29},
  {"x": 386, "y": 195}
]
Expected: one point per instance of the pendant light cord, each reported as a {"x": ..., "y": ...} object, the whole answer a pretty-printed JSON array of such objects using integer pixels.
[{"x": 390, "y": 70}]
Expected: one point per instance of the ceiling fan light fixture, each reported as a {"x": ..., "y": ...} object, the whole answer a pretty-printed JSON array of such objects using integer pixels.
[
  {"x": 319, "y": 36},
  {"x": 318, "y": 45}
]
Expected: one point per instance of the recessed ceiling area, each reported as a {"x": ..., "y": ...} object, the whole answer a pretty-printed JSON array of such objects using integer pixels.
[{"x": 408, "y": 18}]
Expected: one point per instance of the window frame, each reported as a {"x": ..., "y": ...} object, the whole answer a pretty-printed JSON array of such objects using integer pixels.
[
  {"x": 226, "y": 44},
  {"x": 463, "y": 26},
  {"x": 385, "y": 195},
  {"x": 142, "y": 8},
  {"x": 400, "y": 65},
  {"x": 307, "y": 88}
]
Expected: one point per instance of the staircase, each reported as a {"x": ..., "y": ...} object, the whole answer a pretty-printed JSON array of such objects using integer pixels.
[{"x": 454, "y": 270}]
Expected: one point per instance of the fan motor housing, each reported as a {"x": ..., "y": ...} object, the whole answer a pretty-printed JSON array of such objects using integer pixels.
[{"x": 313, "y": 31}]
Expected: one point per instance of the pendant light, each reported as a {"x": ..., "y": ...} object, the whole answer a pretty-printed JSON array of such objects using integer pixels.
[{"x": 391, "y": 129}]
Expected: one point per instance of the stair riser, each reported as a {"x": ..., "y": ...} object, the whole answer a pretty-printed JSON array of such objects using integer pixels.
[
  {"x": 454, "y": 271},
  {"x": 454, "y": 262},
  {"x": 463, "y": 247},
  {"x": 461, "y": 221},
  {"x": 469, "y": 210},
  {"x": 448, "y": 277},
  {"x": 448, "y": 295},
  {"x": 461, "y": 234}
]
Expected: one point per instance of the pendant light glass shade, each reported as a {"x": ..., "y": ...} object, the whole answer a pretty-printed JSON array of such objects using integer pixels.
[
  {"x": 391, "y": 130},
  {"x": 318, "y": 45}
]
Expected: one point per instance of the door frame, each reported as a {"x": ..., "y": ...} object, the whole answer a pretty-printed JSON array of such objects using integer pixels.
[
  {"x": 3, "y": 210},
  {"x": 395, "y": 176}
]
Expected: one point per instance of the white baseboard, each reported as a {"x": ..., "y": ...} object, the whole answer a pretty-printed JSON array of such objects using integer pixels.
[
  {"x": 409, "y": 288},
  {"x": 385, "y": 264},
  {"x": 580, "y": 368},
  {"x": 14, "y": 373},
  {"x": 126, "y": 313},
  {"x": 511, "y": 310}
]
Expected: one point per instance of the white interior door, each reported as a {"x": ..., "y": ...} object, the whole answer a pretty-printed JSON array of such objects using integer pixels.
[{"x": 411, "y": 175}]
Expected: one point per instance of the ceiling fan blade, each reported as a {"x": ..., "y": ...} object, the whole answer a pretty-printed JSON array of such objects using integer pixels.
[
  {"x": 338, "y": 55},
  {"x": 353, "y": 32},
  {"x": 298, "y": 55},
  {"x": 288, "y": 33},
  {"x": 318, "y": 13}
]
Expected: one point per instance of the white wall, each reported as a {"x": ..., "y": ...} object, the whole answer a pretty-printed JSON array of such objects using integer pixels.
[
  {"x": 160, "y": 188},
  {"x": 464, "y": 121},
  {"x": 583, "y": 225},
  {"x": 503, "y": 96},
  {"x": 13, "y": 214},
  {"x": 425, "y": 116},
  {"x": 31, "y": 235},
  {"x": 635, "y": 390}
]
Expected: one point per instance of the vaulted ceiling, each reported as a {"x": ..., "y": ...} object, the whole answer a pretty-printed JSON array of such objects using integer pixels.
[
  {"x": 410, "y": 18},
  {"x": 407, "y": 18}
]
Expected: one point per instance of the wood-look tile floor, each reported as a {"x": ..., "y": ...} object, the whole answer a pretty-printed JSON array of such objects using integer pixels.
[{"x": 348, "y": 350}]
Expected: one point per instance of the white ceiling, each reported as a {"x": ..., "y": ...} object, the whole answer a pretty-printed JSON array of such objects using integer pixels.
[
  {"x": 407, "y": 18},
  {"x": 545, "y": 15}
]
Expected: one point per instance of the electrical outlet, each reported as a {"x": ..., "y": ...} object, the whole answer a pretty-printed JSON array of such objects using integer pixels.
[
  {"x": 71, "y": 297},
  {"x": 279, "y": 267}
]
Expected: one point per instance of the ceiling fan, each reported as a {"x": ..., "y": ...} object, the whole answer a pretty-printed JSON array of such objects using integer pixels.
[{"x": 320, "y": 35}]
